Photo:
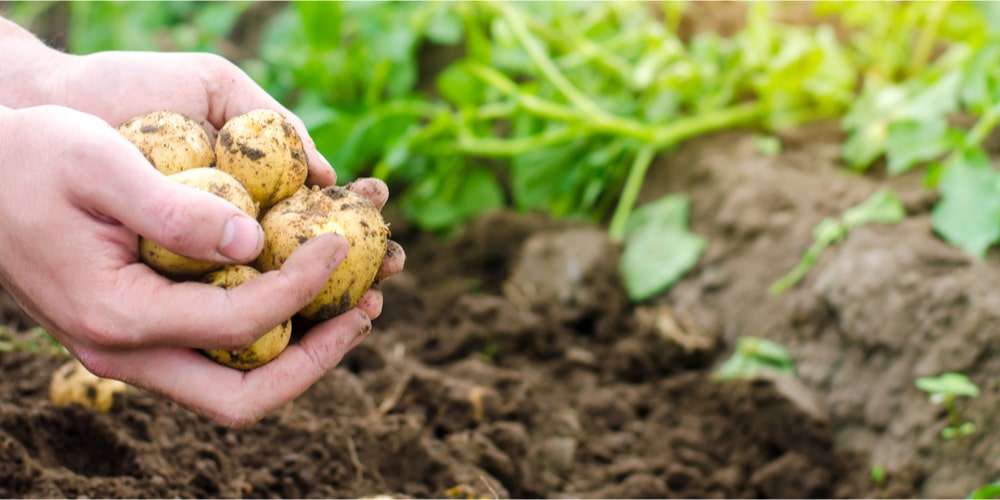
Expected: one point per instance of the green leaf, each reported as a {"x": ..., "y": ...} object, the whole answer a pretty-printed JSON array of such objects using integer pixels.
[
  {"x": 320, "y": 23},
  {"x": 883, "y": 206},
  {"x": 659, "y": 248},
  {"x": 952, "y": 383},
  {"x": 990, "y": 491},
  {"x": 443, "y": 203},
  {"x": 968, "y": 215},
  {"x": 910, "y": 142},
  {"x": 980, "y": 87},
  {"x": 458, "y": 85},
  {"x": 445, "y": 25}
]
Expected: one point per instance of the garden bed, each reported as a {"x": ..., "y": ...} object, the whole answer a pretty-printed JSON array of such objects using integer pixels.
[{"x": 509, "y": 362}]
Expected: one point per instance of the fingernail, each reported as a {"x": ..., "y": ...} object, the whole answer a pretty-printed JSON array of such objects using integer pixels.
[
  {"x": 242, "y": 238},
  {"x": 323, "y": 159},
  {"x": 336, "y": 252}
]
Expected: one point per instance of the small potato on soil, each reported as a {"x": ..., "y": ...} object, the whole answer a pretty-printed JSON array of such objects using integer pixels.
[
  {"x": 213, "y": 181},
  {"x": 172, "y": 142},
  {"x": 74, "y": 384},
  {"x": 263, "y": 150},
  {"x": 312, "y": 212},
  {"x": 265, "y": 348}
]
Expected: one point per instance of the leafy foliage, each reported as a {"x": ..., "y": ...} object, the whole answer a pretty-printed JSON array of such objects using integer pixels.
[{"x": 464, "y": 107}]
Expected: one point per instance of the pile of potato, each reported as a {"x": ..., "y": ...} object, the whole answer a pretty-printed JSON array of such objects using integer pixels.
[{"x": 257, "y": 163}]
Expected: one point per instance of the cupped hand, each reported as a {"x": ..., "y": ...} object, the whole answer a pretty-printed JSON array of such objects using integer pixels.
[{"x": 76, "y": 195}]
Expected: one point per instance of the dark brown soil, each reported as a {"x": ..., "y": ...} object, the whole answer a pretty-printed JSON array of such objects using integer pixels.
[{"x": 508, "y": 363}]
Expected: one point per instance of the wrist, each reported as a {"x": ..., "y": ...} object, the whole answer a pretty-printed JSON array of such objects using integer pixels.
[{"x": 28, "y": 68}]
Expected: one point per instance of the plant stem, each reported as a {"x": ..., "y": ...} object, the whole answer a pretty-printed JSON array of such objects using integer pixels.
[
  {"x": 928, "y": 35},
  {"x": 494, "y": 146},
  {"x": 983, "y": 127},
  {"x": 709, "y": 121},
  {"x": 949, "y": 401},
  {"x": 545, "y": 64},
  {"x": 636, "y": 174}
]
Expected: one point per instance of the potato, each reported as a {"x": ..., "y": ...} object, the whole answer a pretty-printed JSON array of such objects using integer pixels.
[
  {"x": 170, "y": 141},
  {"x": 315, "y": 211},
  {"x": 265, "y": 348},
  {"x": 216, "y": 182},
  {"x": 74, "y": 384},
  {"x": 265, "y": 153}
]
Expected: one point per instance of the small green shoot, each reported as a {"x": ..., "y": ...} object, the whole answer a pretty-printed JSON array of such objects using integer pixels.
[
  {"x": 877, "y": 474},
  {"x": 754, "y": 355},
  {"x": 944, "y": 389},
  {"x": 35, "y": 340},
  {"x": 989, "y": 491},
  {"x": 883, "y": 206}
]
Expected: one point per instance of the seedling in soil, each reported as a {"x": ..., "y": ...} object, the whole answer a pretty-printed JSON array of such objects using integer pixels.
[
  {"x": 878, "y": 474},
  {"x": 754, "y": 355},
  {"x": 943, "y": 389},
  {"x": 988, "y": 491},
  {"x": 35, "y": 340},
  {"x": 883, "y": 206}
]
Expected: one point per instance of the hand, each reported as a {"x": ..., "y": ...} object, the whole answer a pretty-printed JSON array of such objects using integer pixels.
[{"x": 76, "y": 195}]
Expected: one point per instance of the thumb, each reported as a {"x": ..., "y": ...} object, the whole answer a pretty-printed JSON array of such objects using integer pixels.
[{"x": 182, "y": 219}]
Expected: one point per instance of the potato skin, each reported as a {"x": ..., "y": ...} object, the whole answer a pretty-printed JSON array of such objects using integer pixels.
[
  {"x": 265, "y": 348},
  {"x": 213, "y": 181},
  {"x": 263, "y": 151},
  {"x": 312, "y": 212},
  {"x": 171, "y": 141},
  {"x": 74, "y": 384}
]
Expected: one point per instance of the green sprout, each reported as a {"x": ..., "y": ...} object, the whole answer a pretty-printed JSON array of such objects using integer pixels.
[
  {"x": 943, "y": 389},
  {"x": 754, "y": 355},
  {"x": 878, "y": 474},
  {"x": 988, "y": 491},
  {"x": 35, "y": 340},
  {"x": 883, "y": 206}
]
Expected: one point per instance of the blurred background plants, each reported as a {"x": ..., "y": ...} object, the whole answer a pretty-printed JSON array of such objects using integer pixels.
[{"x": 564, "y": 106}]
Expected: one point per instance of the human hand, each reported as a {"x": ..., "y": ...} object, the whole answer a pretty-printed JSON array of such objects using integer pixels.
[{"x": 83, "y": 193}]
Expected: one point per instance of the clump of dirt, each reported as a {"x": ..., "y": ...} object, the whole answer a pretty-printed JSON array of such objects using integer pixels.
[{"x": 509, "y": 363}]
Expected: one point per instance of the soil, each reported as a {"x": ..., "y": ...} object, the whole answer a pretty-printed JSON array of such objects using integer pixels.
[{"x": 509, "y": 363}]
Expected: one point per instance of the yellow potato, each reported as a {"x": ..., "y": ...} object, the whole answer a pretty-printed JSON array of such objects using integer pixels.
[
  {"x": 172, "y": 142},
  {"x": 265, "y": 153},
  {"x": 74, "y": 384},
  {"x": 312, "y": 212},
  {"x": 213, "y": 181},
  {"x": 265, "y": 348}
]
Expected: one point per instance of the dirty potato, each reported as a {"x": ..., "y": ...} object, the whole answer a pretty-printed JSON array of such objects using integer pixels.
[
  {"x": 74, "y": 384},
  {"x": 265, "y": 348},
  {"x": 265, "y": 153},
  {"x": 213, "y": 181},
  {"x": 312, "y": 212},
  {"x": 172, "y": 142}
]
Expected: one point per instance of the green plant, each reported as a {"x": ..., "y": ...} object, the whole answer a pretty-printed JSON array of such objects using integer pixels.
[
  {"x": 754, "y": 355},
  {"x": 877, "y": 474},
  {"x": 564, "y": 106},
  {"x": 986, "y": 492},
  {"x": 943, "y": 389},
  {"x": 34, "y": 340},
  {"x": 883, "y": 206}
]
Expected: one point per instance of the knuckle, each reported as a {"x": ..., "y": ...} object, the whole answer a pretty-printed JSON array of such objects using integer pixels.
[
  {"x": 175, "y": 220},
  {"x": 101, "y": 330}
]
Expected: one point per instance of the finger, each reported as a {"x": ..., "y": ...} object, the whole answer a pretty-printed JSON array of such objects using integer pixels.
[
  {"x": 371, "y": 188},
  {"x": 393, "y": 262},
  {"x": 234, "y": 93},
  {"x": 231, "y": 397},
  {"x": 196, "y": 315},
  {"x": 371, "y": 302},
  {"x": 183, "y": 219}
]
